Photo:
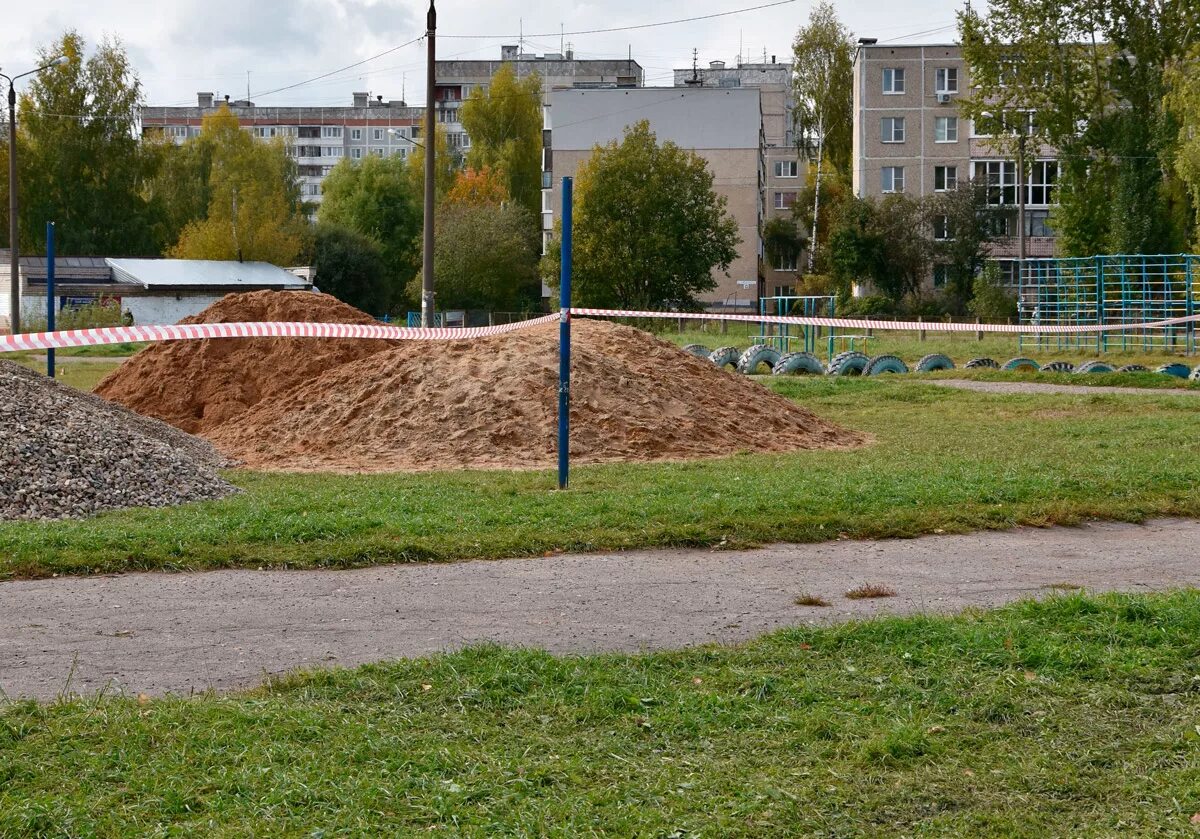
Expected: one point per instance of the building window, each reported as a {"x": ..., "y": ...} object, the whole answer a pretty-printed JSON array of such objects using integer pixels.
[
  {"x": 945, "y": 129},
  {"x": 377, "y": 133},
  {"x": 785, "y": 262},
  {"x": 448, "y": 115},
  {"x": 784, "y": 200},
  {"x": 334, "y": 151},
  {"x": 1037, "y": 223},
  {"x": 893, "y": 129},
  {"x": 356, "y": 154},
  {"x": 893, "y": 179},
  {"x": 940, "y": 273},
  {"x": 946, "y": 79},
  {"x": 1041, "y": 182},
  {"x": 400, "y": 153},
  {"x": 1001, "y": 179},
  {"x": 312, "y": 189},
  {"x": 355, "y": 133},
  {"x": 377, "y": 152},
  {"x": 1002, "y": 225},
  {"x": 1010, "y": 272},
  {"x": 945, "y": 178},
  {"x": 547, "y": 180},
  {"x": 893, "y": 79},
  {"x": 941, "y": 228},
  {"x": 787, "y": 168},
  {"x": 331, "y": 131}
]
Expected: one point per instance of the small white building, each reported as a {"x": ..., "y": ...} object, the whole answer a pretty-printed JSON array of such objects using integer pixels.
[{"x": 164, "y": 291}]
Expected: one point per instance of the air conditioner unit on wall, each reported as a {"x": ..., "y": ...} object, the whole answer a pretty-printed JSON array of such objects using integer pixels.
[{"x": 943, "y": 97}]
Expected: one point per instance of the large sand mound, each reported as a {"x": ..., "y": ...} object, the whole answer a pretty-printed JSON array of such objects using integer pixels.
[
  {"x": 199, "y": 385},
  {"x": 492, "y": 403}
]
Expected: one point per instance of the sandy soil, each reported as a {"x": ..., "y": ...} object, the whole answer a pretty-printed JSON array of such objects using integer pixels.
[{"x": 159, "y": 633}]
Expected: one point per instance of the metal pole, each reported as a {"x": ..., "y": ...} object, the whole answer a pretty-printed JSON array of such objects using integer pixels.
[
  {"x": 427, "y": 308},
  {"x": 50, "y": 294},
  {"x": 1021, "y": 209},
  {"x": 564, "y": 341},
  {"x": 14, "y": 316}
]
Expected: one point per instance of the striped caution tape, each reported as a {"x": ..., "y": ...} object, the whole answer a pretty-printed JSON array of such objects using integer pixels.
[
  {"x": 194, "y": 331},
  {"x": 904, "y": 325}
]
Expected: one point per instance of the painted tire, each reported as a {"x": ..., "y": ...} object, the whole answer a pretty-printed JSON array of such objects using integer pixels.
[
  {"x": 981, "y": 364},
  {"x": 1195, "y": 377},
  {"x": 848, "y": 364},
  {"x": 798, "y": 362},
  {"x": 1059, "y": 367},
  {"x": 698, "y": 350},
  {"x": 1179, "y": 371},
  {"x": 1133, "y": 368},
  {"x": 881, "y": 364},
  {"x": 1094, "y": 367},
  {"x": 934, "y": 361},
  {"x": 725, "y": 356},
  {"x": 1020, "y": 364},
  {"x": 750, "y": 360}
]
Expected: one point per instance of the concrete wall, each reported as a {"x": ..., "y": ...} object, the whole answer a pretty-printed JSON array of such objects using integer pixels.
[{"x": 151, "y": 309}]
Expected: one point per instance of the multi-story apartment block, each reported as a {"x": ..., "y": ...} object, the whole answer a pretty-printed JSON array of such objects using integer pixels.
[
  {"x": 456, "y": 80},
  {"x": 909, "y": 137},
  {"x": 318, "y": 137},
  {"x": 785, "y": 166},
  {"x": 724, "y": 126}
]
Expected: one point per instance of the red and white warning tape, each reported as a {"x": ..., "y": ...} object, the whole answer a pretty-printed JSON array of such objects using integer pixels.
[
  {"x": 904, "y": 325},
  {"x": 193, "y": 331}
]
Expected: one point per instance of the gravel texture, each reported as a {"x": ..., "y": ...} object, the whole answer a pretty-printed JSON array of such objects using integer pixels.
[{"x": 67, "y": 454}]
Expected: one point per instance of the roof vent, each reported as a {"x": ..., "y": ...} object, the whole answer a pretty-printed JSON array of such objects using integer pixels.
[
  {"x": 204, "y": 100},
  {"x": 716, "y": 65},
  {"x": 360, "y": 99}
]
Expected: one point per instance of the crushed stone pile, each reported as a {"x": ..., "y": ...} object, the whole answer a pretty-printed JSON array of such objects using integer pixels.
[
  {"x": 66, "y": 454},
  {"x": 492, "y": 403},
  {"x": 200, "y": 385}
]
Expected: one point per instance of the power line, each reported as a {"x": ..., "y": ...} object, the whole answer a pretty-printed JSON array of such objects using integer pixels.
[
  {"x": 527, "y": 36},
  {"x": 340, "y": 69}
]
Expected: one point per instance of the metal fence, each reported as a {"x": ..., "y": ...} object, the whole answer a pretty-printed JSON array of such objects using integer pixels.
[{"x": 1111, "y": 289}]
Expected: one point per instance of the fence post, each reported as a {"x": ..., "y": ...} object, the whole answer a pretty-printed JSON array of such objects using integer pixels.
[
  {"x": 921, "y": 334},
  {"x": 50, "y": 294},
  {"x": 979, "y": 332},
  {"x": 564, "y": 341}
]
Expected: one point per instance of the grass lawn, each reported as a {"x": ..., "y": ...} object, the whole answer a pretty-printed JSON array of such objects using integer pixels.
[
  {"x": 1076, "y": 716},
  {"x": 943, "y": 460},
  {"x": 84, "y": 373}
]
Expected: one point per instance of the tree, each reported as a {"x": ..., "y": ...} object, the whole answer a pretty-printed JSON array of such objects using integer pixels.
[
  {"x": 377, "y": 197},
  {"x": 835, "y": 191},
  {"x": 856, "y": 249},
  {"x": 649, "y": 229},
  {"x": 254, "y": 210},
  {"x": 478, "y": 186},
  {"x": 1184, "y": 101},
  {"x": 966, "y": 223},
  {"x": 446, "y": 165},
  {"x": 485, "y": 257},
  {"x": 505, "y": 126},
  {"x": 350, "y": 266},
  {"x": 782, "y": 242},
  {"x": 1094, "y": 74},
  {"x": 886, "y": 244},
  {"x": 81, "y": 165},
  {"x": 989, "y": 300},
  {"x": 823, "y": 82}
]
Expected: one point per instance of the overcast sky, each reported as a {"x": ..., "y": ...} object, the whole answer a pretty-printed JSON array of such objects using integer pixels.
[{"x": 182, "y": 46}]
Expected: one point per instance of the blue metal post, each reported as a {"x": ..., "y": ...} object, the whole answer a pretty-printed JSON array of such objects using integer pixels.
[
  {"x": 50, "y": 299},
  {"x": 564, "y": 341}
]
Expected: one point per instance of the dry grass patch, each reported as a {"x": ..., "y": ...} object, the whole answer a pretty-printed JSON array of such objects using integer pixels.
[
  {"x": 811, "y": 600},
  {"x": 1064, "y": 586},
  {"x": 868, "y": 591}
]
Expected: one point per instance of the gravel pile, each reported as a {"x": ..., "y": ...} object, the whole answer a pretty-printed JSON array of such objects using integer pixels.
[{"x": 66, "y": 454}]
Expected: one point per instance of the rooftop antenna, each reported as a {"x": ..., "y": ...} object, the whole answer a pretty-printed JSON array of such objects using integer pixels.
[
  {"x": 739, "y": 55},
  {"x": 695, "y": 79},
  {"x": 247, "y": 85},
  {"x": 404, "y": 87},
  {"x": 560, "y": 38}
]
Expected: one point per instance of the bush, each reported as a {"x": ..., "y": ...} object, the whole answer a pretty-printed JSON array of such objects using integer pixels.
[
  {"x": 989, "y": 300},
  {"x": 92, "y": 316},
  {"x": 869, "y": 306}
]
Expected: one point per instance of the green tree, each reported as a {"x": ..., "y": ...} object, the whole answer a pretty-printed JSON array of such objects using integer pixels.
[
  {"x": 505, "y": 126},
  {"x": 886, "y": 244},
  {"x": 1184, "y": 101},
  {"x": 835, "y": 192},
  {"x": 81, "y": 164},
  {"x": 856, "y": 250},
  {"x": 823, "y": 82},
  {"x": 989, "y": 300},
  {"x": 649, "y": 229},
  {"x": 965, "y": 223},
  {"x": 1094, "y": 73},
  {"x": 446, "y": 166},
  {"x": 254, "y": 210},
  {"x": 377, "y": 197},
  {"x": 485, "y": 257},
  {"x": 782, "y": 241},
  {"x": 350, "y": 266}
]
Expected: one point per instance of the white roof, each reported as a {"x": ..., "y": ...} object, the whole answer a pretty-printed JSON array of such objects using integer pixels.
[{"x": 202, "y": 273}]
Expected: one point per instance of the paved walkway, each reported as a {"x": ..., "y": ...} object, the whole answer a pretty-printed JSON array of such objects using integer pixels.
[
  {"x": 1043, "y": 387},
  {"x": 159, "y": 633}
]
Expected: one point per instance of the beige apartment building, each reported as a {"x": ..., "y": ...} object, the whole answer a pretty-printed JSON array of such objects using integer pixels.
[
  {"x": 909, "y": 137},
  {"x": 724, "y": 126}
]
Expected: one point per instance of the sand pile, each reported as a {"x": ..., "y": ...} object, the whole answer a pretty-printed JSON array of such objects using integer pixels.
[
  {"x": 199, "y": 385},
  {"x": 493, "y": 402},
  {"x": 66, "y": 454}
]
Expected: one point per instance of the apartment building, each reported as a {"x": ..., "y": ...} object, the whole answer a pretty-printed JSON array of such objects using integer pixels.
[
  {"x": 909, "y": 137},
  {"x": 456, "y": 80},
  {"x": 785, "y": 167},
  {"x": 723, "y": 125},
  {"x": 319, "y": 137}
]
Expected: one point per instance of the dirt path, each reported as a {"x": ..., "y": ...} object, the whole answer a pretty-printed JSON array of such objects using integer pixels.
[
  {"x": 159, "y": 633},
  {"x": 1042, "y": 387}
]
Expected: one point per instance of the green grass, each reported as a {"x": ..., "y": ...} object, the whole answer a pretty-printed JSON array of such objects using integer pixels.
[
  {"x": 83, "y": 375},
  {"x": 961, "y": 347},
  {"x": 97, "y": 351},
  {"x": 943, "y": 460},
  {"x": 1153, "y": 381},
  {"x": 1076, "y": 716}
]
